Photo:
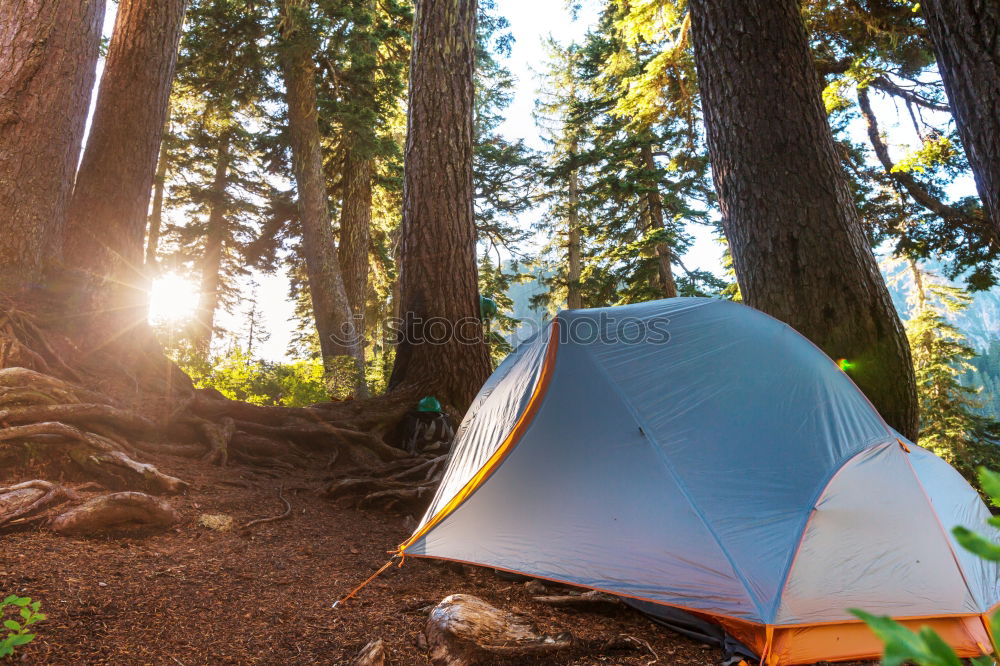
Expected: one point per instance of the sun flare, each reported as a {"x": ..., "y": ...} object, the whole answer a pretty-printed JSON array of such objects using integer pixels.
[{"x": 172, "y": 298}]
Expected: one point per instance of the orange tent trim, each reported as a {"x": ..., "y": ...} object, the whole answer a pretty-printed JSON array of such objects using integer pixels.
[{"x": 523, "y": 422}]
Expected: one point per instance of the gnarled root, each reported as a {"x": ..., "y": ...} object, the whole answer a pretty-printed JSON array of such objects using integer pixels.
[
  {"x": 23, "y": 501},
  {"x": 407, "y": 484},
  {"x": 125, "y": 511},
  {"x": 96, "y": 455}
]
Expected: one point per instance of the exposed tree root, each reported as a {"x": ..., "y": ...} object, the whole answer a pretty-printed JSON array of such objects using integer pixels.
[
  {"x": 103, "y": 403},
  {"x": 284, "y": 514},
  {"x": 24, "y": 500},
  {"x": 124, "y": 511},
  {"x": 94, "y": 454},
  {"x": 406, "y": 484}
]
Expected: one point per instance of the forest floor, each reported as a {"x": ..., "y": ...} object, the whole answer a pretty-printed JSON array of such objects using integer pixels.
[{"x": 196, "y": 595}]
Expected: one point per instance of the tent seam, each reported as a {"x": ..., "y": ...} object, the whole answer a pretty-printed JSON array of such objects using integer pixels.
[
  {"x": 944, "y": 533},
  {"x": 787, "y": 571},
  {"x": 654, "y": 444}
]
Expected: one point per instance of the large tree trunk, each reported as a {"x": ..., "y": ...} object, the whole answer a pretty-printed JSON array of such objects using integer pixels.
[
  {"x": 654, "y": 207},
  {"x": 48, "y": 59},
  {"x": 107, "y": 217},
  {"x": 156, "y": 214},
  {"x": 355, "y": 232},
  {"x": 211, "y": 262},
  {"x": 574, "y": 251},
  {"x": 966, "y": 37},
  {"x": 798, "y": 247},
  {"x": 340, "y": 345},
  {"x": 438, "y": 275},
  {"x": 358, "y": 166}
]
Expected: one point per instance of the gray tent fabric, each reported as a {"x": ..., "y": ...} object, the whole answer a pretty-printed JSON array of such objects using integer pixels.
[{"x": 699, "y": 454}]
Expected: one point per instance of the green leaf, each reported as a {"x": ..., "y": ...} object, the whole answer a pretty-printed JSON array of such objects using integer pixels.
[
  {"x": 13, "y": 625},
  {"x": 9, "y": 600},
  {"x": 35, "y": 605},
  {"x": 995, "y": 631},
  {"x": 902, "y": 646},
  {"x": 938, "y": 647},
  {"x": 21, "y": 639},
  {"x": 21, "y": 601},
  {"x": 5, "y": 650},
  {"x": 977, "y": 544},
  {"x": 983, "y": 661},
  {"x": 26, "y": 614},
  {"x": 990, "y": 483}
]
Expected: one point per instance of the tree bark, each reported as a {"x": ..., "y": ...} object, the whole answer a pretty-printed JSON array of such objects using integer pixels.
[
  {"x": 441, "y": 350},
  {"x": 107, "y": 217},
  {"x": 211, "y": 263},
  {"x": 574, "y": 299},
  {"x": 358, "y": 165},
  {"x": 340, "y": 345},
  {"x": 798, "y": 246},
  {"x": 654, "y": 205},
  {"x": 156, "y": 214},
  {"x": 48, "y": 60},
  {"x": 966, "y": 38},
  {"x": 355, "y": 233}
]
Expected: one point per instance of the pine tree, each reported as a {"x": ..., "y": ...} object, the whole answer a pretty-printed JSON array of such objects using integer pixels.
[
  {"x": 799, "y": 250},
  {"x": 438, "y": 278},
  {"x": 874, "y": 51},
  {"x": 218, "y": 98},
  {"x": 951, "y": 424},
  {"x": 342, "y": 349},
  {"x": 558, "y": 113}
]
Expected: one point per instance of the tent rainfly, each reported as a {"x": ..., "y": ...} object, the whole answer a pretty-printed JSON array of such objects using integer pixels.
[{"x": 702, "y": 458}]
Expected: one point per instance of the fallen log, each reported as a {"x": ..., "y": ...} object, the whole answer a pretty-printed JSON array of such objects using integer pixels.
[
  {"x": 463, "y": 630},
  {"x": 125, "y": 511}
]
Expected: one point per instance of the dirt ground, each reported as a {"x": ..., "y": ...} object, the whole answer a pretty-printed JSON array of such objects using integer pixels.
[{"x": 194, "y": 595}]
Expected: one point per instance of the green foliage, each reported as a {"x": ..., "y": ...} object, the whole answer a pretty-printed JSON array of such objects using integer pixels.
[
  {"x": 495, "y": 283},
  {"x": 240, "y": 377},
  {"x": 26, "y": 614},
  {"x": 883, "y": 47},
  {"x": 925, "y": 647},
  {"x": 951, "y": 422},
  {"x": 935, "y": 151},
  {"x": 619, "y": 113}
]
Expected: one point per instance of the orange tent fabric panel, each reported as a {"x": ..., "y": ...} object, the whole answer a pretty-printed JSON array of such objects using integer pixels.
[{"x": 850, "y": 642}]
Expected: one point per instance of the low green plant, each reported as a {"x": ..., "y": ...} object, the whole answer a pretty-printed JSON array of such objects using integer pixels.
[
  {"x": 17, "y": 631},
  {"x": 925, "y": 647}
]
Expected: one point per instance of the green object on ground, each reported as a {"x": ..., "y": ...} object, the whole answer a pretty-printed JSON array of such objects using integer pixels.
[{"x": 429, "y": 404}]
